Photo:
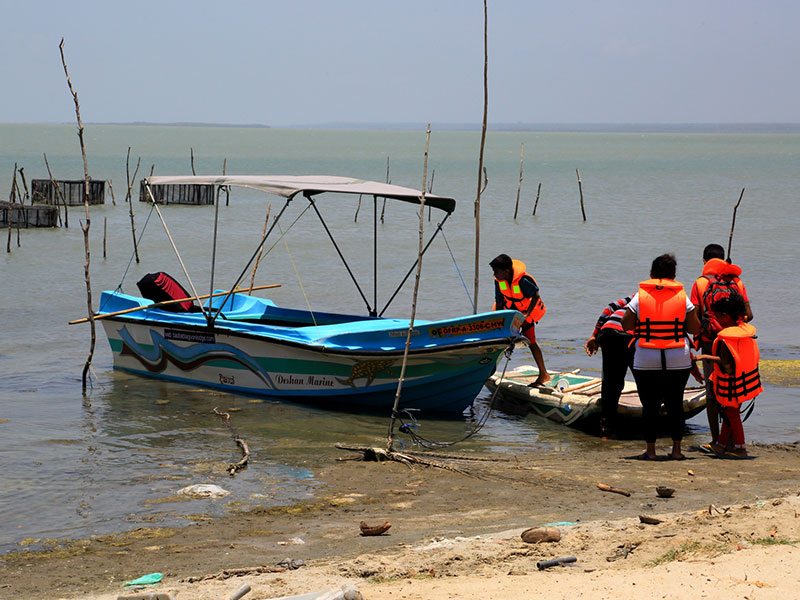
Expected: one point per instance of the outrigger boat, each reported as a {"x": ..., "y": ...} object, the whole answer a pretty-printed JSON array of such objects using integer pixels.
[
  {"x": 573, "y": 399},
  {"x": 249, "y": 345}
]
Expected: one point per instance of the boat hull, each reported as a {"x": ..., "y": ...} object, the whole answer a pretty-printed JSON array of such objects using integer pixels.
[{"x": 330, "y": 365}]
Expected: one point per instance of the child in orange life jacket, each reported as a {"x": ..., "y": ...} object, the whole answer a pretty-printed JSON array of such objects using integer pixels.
[
  {"x": 718, "y": 274},
  {"x": 515, "y": 289},
  {"x": 735, "y": 377}
]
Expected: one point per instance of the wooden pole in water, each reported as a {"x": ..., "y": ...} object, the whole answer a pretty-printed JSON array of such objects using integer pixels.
[
  {"x": 175, "y": 301},
  {"x": 260, "y": 252},
  {"x": 519, "y": 183},
  {"x": 383, "y": 208},
  {"x": 57, "y": 190},
  {"x": 12, "y": 197},
  {"x": 536, "y": 204},
  {"x": 430, "y": 191},
  {"x": 84, "y": 226},
  {"x": 358, "y": 207},
  {"x": 129, "y": 199},
  {"x": 191, "y": 151},
  {"x": 24, "y": 184},
  {"x": 733, "y": 224},
  {"x": 21, "y": 204},
  {"x": 390, "y": 437},
  {"x": 580, "y": 189},
  {"x": 481, "y": 168},
  {"x": 227, "y": 187},
  {"x": 105, "y": 233},
  {"x": 111, "y": 189}
]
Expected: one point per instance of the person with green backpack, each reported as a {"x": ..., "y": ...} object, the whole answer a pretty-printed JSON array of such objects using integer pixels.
[{"x": 720, "y": 279}]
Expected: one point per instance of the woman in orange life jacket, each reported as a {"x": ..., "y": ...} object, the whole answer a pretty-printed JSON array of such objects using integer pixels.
[
  {"x": 515, "y": 289},
  {"x": 735, "y": 377},
  {"x": 714, "y": 264},
  {"x": 660, "y": 315}
]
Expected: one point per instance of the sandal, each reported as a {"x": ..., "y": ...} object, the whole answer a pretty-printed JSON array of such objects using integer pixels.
[
  {"x": 706, "y": 449},
  {"x": 644, "y": 456}
]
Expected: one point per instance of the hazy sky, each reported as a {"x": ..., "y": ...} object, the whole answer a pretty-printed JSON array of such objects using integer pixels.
[{"x": 314, "y": 61}]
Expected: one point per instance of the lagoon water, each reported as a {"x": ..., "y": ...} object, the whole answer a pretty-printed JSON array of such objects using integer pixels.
[{"x": 74, "y": 466}]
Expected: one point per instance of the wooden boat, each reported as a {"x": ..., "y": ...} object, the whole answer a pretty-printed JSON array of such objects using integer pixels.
[
  {"x": 249, "y": 345},
  {"x": 573, "y": 399}
]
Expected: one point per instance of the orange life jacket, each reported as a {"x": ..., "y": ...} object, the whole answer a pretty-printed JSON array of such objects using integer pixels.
[
  {"x": 512, "y": 295},
  {"x": 662, "y": 312},
  {"x": 719, "y": 280},
  {"x": 745, "y": 382}
]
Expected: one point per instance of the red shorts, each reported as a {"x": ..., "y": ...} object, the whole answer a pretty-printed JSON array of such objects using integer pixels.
[{"x": 529, "y": 331}]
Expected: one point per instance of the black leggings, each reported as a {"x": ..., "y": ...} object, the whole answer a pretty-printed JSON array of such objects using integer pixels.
[
  {"x": 657, "y": 388},
  {"x": 617, "y": 354}
]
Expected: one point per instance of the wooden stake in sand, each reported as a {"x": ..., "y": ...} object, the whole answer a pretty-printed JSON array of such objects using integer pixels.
[
  {"x": 733, "y": 224},
  {"x": 84, "y": 226}
]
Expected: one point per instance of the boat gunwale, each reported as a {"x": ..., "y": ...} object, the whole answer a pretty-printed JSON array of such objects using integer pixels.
[{"x": 505, "y": 340}]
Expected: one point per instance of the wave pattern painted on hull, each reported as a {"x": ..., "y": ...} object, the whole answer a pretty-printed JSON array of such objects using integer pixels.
[{"x": 165, "y": 352}]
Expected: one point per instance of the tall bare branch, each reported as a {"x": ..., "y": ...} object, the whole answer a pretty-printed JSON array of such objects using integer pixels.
[
  {"x": 88, "y": 223},
  {"x": 481, "y": 170}
]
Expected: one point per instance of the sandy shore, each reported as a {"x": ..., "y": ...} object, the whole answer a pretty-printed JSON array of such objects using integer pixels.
[{"x": 729, "y": 531}]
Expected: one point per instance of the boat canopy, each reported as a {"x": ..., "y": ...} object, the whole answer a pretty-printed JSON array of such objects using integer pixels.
[{"x": 289, "y": 186}]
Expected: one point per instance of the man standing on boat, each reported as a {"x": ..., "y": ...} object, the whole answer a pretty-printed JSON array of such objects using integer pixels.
[
  {"x": 516, "y": 290},
  {"x": 617, "y": 349}
]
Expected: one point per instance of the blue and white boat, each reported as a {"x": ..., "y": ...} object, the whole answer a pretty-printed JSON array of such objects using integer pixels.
[{"x": 248, "y": 345}]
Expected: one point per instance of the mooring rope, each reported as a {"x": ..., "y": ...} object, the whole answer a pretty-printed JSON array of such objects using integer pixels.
[{"x": 419, "y": 440}]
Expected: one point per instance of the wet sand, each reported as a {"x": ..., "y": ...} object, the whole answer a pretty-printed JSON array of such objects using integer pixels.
[{"x": 455, "y": 535}]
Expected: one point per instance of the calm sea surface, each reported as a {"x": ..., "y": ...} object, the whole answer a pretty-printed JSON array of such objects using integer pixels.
[{"x": 74, "y": 467}]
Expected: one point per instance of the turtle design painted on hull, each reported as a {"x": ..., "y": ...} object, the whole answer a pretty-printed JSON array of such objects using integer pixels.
[{"x": 366, "y": 369}]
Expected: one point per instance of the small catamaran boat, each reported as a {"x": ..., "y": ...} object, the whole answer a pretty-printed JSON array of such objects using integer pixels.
[
  {"x": 249, "y": 345},
  {"x": 573, "y": 399}
]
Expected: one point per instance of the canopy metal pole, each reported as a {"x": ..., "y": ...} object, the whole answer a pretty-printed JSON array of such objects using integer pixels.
[
  {"x": 375, "y": 255},
  {"x": 411, "y": 270},
  {"x": 344, "y": 261},
  {"x": 214, "y": 246},
  {"x": 175, "y": 248},
  {"x": 252, "y": 258}
]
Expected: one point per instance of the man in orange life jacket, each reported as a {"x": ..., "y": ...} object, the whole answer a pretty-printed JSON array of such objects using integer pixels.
[
  {"x": 660, "y": 315},
  {"x": 735, "y": 377},
  {"x": 515, "y": 289},
  {"x": 714, "y": 266}
]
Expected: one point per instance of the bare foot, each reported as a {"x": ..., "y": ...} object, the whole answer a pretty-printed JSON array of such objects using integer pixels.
[{"x": 541, "y": 380}]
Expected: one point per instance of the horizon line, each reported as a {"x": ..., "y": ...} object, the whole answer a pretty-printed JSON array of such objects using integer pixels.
[{"x": 520, "y": 126}]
